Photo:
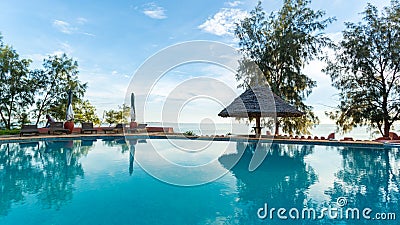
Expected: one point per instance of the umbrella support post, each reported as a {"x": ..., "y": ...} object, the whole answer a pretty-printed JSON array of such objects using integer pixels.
[{"x": 258, "y": 128}]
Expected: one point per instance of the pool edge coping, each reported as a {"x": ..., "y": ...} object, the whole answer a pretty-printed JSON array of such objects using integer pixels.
[{"x": 360, "y": 144}]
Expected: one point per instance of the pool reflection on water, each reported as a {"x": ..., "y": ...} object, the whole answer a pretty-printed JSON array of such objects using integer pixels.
[{"x": 98, "y": 181}]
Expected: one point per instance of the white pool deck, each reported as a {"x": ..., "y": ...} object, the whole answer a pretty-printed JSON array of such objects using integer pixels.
[{"x": 241, "y": 138}]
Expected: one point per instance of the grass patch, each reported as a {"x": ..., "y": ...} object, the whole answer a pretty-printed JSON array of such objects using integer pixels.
[{"x": 9, "y": 132}]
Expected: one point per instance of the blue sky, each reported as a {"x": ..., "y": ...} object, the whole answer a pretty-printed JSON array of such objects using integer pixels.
[{"x": 112, "y": 39}]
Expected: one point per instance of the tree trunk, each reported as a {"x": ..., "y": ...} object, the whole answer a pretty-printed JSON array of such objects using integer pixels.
[
  {"x": 3, "y": 118},
  {"x": 38, "y": 119},
  {"x": 41, "y": 109},
  {"x": 386, "y": 128},
  {"x": 276, "y": 126},
  {"x": 8, "y": 125}
]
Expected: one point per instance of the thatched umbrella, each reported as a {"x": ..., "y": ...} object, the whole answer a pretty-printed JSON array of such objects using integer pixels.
[{"x": 259, "y": 102}]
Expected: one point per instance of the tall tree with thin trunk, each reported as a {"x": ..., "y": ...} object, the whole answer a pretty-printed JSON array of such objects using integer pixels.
[
  {"x": 281, "y": 44},
  {"x": 86, "y": 112},
  {"x": 16, "y": 92},
  {"x": 117, "y": 116},
  {"x": 59, "y": 75},
  {"x": 366, "y": 71}
]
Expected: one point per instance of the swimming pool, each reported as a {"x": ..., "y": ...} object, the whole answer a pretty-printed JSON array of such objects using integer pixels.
[{"x": 111, "y": 181}]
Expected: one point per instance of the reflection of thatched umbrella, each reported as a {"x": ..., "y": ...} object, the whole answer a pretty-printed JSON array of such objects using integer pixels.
[
  {"x": 281, "y": 178},
  {"x": 259, "y": 102}
]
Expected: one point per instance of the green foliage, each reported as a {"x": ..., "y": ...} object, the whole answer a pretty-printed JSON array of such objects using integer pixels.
[
  {"x": 46, "y": 89},
  {"x": 86, "y": 112},
  {"x": 9, "y": 132},
  {"x": 279, "y": 45},
  {"x": 117, "y": 116},
  {"x": 59, "y": 75},
  {"x": 16, "y": 89},
  {"x": 23, "y": 118},
  {"x": 366, "y": 71},
  {"x": 190, "y": 133}
]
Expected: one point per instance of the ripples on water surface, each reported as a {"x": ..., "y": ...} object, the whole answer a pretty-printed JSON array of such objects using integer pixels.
[{"x": 100, "y": 182}]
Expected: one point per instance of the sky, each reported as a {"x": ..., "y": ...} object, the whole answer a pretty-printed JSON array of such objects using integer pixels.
[{"x": 112, "y": 40}]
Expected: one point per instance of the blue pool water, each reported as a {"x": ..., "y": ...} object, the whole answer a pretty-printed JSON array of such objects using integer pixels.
[{"x": 111, "y": 181}]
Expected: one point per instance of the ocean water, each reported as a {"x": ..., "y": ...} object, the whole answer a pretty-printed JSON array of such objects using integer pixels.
[{"x": 359, "y": 133}]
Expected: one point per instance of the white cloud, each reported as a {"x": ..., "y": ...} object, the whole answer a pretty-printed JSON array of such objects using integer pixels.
[
  {"x": 37, "y": 58},
  {"x": 64, "y": 48},
  {"x": 196, "y": 95},
  {"x": 336, "y": 37},
  {"x": 58, "y": 53},
  {"x": 81, "y": 20},
  {"x": 63, "y": 26},
  {"x": 223, "y": 22},
  {"x": 116, "y": 88},
  {"x": 89, "y": 34},
  {"x": 68, "y": 28},
  {"x": 234, "y": 3},
  {"x": 154, "y": 11}
]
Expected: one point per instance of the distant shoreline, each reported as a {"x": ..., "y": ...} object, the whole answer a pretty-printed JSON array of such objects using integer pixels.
[{"x": 361, "y": 133}]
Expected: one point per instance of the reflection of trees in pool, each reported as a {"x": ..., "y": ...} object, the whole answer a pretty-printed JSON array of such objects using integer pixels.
[
  {"x": 46, "y": 170},
  {"x": 126, "y": 145},
  {"x": 117, "y": 142},
  {"x": 281, "y": 180},
  {"x": 369, "y": 178}
]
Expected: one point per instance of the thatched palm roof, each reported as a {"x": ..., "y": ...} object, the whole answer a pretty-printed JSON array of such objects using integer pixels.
[{"x": 259, "y": 102}]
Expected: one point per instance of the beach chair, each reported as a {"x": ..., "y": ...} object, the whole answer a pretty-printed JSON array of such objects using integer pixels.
[
  {"x": 393, "y": 136},
  {"x": 347, "y": 139},
  {"x": 331, "y": 136},
  {"x": 57, "y": 127},
  {"x": 86, "y": 127},
  {"x": 140, "y": 128},
  {"x": 28, "y": 129},
  {"x": 118, "y": 128}
]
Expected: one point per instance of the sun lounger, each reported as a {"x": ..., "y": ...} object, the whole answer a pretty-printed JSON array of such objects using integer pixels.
[
  {"x": 393, "y": 136},
  {"x": 118, "y": 128},
  {"x": 28, "y": 129},
  {"x": 347, "y": 139},
  {"x": 86, "y": 127},
  {"x": 160, "y": 129},
  {"x": 331, "y": 136},
  {"x": 57, "y": 127},
  {"x": 141, "y": 128}
]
